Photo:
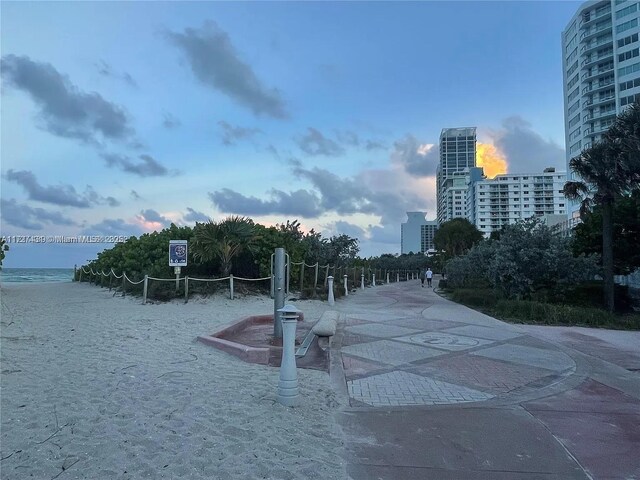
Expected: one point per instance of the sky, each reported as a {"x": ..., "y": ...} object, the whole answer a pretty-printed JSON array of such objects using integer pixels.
[{"x": 119, "y": 118}]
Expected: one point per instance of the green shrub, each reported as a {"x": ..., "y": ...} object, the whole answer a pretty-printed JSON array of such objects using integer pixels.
[
  {"x": 527, "y": 311},
  {"x": 476, "y": 297}
]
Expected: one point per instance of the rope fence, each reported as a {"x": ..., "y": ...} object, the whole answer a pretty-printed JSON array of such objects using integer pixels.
[{"x": 308, "y": 280}]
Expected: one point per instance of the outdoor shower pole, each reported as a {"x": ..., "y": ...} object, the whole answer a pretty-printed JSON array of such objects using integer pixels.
[{"x": 278, "y": 297}]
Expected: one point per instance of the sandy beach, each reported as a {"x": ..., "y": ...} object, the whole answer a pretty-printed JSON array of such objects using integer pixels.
[{"x": 96, "y": 386}]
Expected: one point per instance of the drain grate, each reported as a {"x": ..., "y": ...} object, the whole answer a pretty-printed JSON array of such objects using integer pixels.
[{"x": 306, "y": 343}]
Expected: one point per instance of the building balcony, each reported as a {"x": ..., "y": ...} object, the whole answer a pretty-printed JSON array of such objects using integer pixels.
[
  {"x": 588, "y": 48},
  {"x": 593, "y": 31},
  {"x": 595, "y": 87},
  {"x": 599, "y": 101},
  {"x": 596, "y": 73},
  {"x": 588, "y": 20},
  {"x": 594, "y": 58}
]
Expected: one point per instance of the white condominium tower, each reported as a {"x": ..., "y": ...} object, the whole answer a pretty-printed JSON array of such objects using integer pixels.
[
  {"x": 505, "y": 199},
  {"x": 416, "y": 234},
  {"x": 601, "y": 70},
  {"x": 457, "y": 154}
]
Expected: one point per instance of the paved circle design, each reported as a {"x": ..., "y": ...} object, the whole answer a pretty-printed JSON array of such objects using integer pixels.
[{"x": 444, "y": 339}]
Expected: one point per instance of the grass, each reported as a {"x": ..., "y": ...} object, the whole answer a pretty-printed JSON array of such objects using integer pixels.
[{"x": 541, "y": 313}]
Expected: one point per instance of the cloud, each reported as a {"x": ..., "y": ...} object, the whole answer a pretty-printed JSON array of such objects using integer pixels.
[
  {"x": 315, "y": 143},
  {"x": 63, "y": 195},
  {"x": 273, "y": 150},
  {"x": 418, "y": 159},
  {"x": 526, "y": 151},
  {"x": 65, "y": 110},
  {"x": 216, "y": 64},
  {"x": 135, "y": 195},
  {"x": 348, "y": 137},
  {"x": 387, "y": 234},
  {"x": 300, "y": 202},
  {"x": 147, "y": 167},
  {"x": 340, "y": 227},
  {"x": 150, "y": 219},
  {"x": 231, "y": 134},
  {"x": 106, "y": 70},
  {"x": 169, "y": 121},
  {"x": 113, "y": 227},
  {"x": 194, "y": 216},
  {"x": 490, "y": 159},
  {"x": 374, "y": 145},
  {"x": 23, "y": 216}
]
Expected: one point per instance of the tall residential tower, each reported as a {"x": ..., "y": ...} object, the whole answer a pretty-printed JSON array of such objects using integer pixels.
[
  {"x": 601, "y": 70},
  {"x": 457, "y": 154}
]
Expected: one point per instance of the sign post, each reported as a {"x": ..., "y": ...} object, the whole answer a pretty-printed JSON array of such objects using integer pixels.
[{"x": 178, "y": 250}]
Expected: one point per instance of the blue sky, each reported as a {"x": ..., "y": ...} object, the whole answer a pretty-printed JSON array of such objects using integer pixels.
[{"x": 122, "y": 117}]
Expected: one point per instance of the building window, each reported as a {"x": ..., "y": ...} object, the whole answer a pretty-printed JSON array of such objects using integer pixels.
[
  {"x": 626, "y": 11},
  {"x": 623, "y": 27},
  {"x": 628, "y": 55},
  {"x": 630, "y": 84},
  {"x": 627, "y": 40},
  {"x": 630, "y": 99}
]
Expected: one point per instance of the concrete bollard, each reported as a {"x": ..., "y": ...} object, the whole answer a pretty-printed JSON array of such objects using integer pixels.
[
  {"x": 387, "y": 277},
  {"x": 398, "y": 277},
  {"x": 362, "y": 281},
  {"x": 332, "y": 300},
  {"x": 346, "y": 286},
  {"x": 373, "y": 280},
  {"x": 288, "y": 384}
]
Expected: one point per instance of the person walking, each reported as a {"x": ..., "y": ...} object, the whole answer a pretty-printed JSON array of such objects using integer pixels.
[
  {"x": 422, "y": 276},
  {"x": 429, "y": 275}
]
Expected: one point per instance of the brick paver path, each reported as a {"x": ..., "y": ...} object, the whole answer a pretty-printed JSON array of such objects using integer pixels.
[{"x": 408, "y": 346}]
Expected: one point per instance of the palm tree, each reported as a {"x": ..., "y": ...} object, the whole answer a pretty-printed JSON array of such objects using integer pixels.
[
  {"x": 606, "y": 170},
  {"x": 223, "y": 240}
]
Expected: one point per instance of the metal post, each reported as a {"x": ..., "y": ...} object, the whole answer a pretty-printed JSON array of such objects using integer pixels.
[
  {"x": 144, "y": 290},
  {"x": 272, "y": 278},
  {"x": 387, "y": 277},
  {"x": 346, "y": 287},
  {"x": 331, "y": 298},
  {"x": 398, "y": 277},
  {"x": 124, "y": 279},
  {"x": 301, "y": 277},
  {"x": 288, "y": 383},
  {"x": 80, "y": 280},
  {"x": 75, "y": 267},
  {"x": 315, "y": 282},
  {"x": 231, "y": 286},
  {"x": 362, "y": 281},
  {"x": 373, "y": 282},
  {"x": 288, "y": 291},
  {"x": 110, "y": 278},
  {"x": 278, "y": 299},
  {"x": 186, "y": 289},
  {"x": 326, "y": 275}
]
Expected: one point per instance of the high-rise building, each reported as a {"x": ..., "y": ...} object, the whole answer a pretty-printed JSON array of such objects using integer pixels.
[
  {"x": 416, "y": 234},
  {"x": 601, "y": 70},
  {"x": 457, "y": 153},
  {"x": 505, "y": 199}
]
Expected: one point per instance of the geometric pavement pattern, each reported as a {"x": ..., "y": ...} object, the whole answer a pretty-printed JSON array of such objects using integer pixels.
[
  {"x": 400, "y": 388},
  {"x": 387, "y": 364}
]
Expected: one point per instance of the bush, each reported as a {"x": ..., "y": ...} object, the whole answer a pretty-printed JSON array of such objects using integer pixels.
[
  {"x": 476, "y": 297},
  {"x": 527, "y": 311}
]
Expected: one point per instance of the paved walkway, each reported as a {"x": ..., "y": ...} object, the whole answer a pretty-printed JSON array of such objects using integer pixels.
[{"x": 437, "y": 390}]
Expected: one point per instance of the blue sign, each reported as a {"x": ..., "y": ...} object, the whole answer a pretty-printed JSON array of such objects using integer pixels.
[{"x": 178, "y": 253}]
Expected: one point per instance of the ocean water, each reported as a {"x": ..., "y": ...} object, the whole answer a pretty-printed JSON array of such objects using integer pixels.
[{"x": 30, "y": 275}]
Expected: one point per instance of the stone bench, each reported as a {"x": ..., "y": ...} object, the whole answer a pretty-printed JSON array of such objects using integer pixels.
[{"x": 326, "y": 326}]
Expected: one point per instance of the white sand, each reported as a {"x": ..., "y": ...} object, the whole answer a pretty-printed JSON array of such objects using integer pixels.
[{"x": 100, "y": 387}]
